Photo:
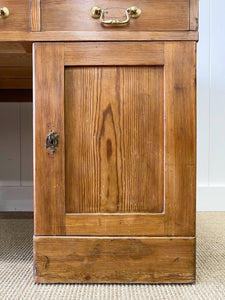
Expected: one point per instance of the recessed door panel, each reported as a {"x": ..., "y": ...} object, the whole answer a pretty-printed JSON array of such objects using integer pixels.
[{"x": 114, "y": 135}]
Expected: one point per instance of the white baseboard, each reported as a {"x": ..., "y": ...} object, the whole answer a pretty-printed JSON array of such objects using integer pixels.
[
  {"x": 21, "y": 198},
  {"x": 211, "y": 198},
  {"x": 16, "y": 198}
]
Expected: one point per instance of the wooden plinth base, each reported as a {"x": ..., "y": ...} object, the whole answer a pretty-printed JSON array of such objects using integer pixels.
[{"x": 114, "y": 259}]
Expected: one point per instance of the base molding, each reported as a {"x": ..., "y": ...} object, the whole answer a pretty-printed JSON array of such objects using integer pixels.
[{"x": 65, "y": 259}]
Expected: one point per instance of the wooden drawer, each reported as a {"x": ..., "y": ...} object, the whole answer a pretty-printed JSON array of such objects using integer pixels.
[
  {"x": 74, "y": 15},
  {"x": 19, "y": 15}
]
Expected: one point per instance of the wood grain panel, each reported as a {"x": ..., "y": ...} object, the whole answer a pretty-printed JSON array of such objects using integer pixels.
[
  {"x": 194, "y": 14},
  {"x": 15, "y": 65},
  {"x": 36, "y": 15},
  {"x": 115, "y": 224},
  {"x": 114, "y": 260},
  {"x": 15, "y": 47},
  {"x": 49, "y": 169},
  {"x": 16, "y": 60},
  {"x": 114, "y": 139},
  {"x": 15, "y": 72},
  {"x": 74, "y": 15},
  {"x": 15, "y": 83},
  {"x": 19, "y": 16},
  {"x": 107, "y": 35},
  {"x": 86, "y": 54},
  {"x": 15, "y": 78},
  {"x": 180, "y": 153}
]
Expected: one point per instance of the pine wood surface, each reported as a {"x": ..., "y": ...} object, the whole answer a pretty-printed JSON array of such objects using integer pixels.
[
  {"x": 49, "y": 170},
  {"x": 116, "y": 201},
  {"x": 114, "y": 260},
  {"x": 194, "y": 14},
  {"x": 36, "y": 15},
  {"x": 19, "y": 16},
  {"x": 106, "y": 35},
  {"x": 114, "y": 139},
  {"x": 180, "y": 133},
  {"x": 178, "y": 214},
  {"x": 116, "y": 53},
  {"x": 15, "y": 66},
  {"x": 156, "y": 15},
  {"x": 115, "y": 224}
]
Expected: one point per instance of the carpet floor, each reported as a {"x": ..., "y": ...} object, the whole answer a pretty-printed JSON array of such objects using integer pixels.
[{"x": 16, "y": 280}]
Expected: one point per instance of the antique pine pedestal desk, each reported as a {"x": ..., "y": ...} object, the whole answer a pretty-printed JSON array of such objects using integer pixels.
[{"x": 114, "y": 98}]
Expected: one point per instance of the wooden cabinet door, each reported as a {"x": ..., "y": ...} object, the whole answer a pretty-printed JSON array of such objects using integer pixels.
[{"x": 124, "y": 114}]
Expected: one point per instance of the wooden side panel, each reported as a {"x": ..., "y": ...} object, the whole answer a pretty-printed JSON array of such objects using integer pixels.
[
  {"x": 15, "y": 47},
  {"x": 114, "y": 260},
  {"x": 114, "y": 53},
  {"x": 194, "y": 14},
  {"x": 114, "y": 139},
  {"x": 15, "y": 83},
  {"x": 70, "y": 15},
  {"x": 16, "y": 60},
  {"x": 180, "y": 125},
  {"x": 15, "y": 78},
  {"x": 19, "y": 16},
  {"x": 49, "y": 169},
  {"x": 36, "y": 15},
  {"x": 15, "y": 66}
]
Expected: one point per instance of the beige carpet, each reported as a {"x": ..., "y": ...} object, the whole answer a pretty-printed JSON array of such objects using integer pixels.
[{"x": 16, "y": 268}]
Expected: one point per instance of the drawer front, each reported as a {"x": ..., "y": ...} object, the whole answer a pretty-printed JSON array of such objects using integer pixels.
[
  {"x": 74, "y": 15},
  {"x": 19, "y": 16}
]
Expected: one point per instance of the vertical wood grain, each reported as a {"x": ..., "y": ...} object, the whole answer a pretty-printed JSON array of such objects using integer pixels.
[
  {"x": 180, "y": 137},
  {"x": 194, "y": 14},
  {"x": 142, "y": 138},
  {"x": 36, "y": 15},
  {"x": 114, "y": 139},
  {"x": 49, "y": 169}
]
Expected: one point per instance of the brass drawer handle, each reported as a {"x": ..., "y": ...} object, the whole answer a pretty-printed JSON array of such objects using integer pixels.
[
  {"x": 4, "y": 12},
  {"x": 132, "y": 12}
]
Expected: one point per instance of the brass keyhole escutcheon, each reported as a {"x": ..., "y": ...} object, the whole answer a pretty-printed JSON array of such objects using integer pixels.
[{"x": 52, "y": 141}]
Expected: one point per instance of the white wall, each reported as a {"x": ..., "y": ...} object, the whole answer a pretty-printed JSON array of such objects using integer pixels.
[
  {"x": 16, "y": 157},
  {"x": 16, "y": 125},
  {"x": 211, "y": 106}
]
